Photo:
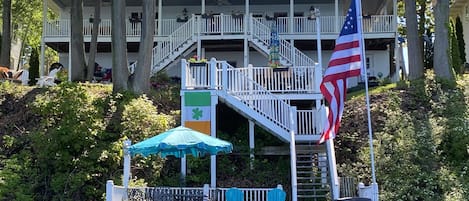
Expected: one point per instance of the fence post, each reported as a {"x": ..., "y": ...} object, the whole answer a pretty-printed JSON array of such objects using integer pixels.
[
  {"x": 225, "y": 76},
  {"x": 206, "y": 192},
  {"x": 109, "y": 190},
  {"x": 183, "y": 74},
  {"x": 125, "y": 179},
  {"x": 213, "y": 73}
]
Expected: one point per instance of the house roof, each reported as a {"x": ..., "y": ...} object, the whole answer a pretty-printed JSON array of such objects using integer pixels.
[{"x": 457, "y": 7}]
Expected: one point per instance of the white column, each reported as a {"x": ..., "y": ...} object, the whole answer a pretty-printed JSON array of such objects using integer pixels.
[
  {"x": 333, "y": 169},
  {"x": 293, "y": 131},
  {"x": 318, "y": 39},
  {"x": 213, "y": 133},
  {"x": 183, "y": 103},
  {"x": 70, "y": 50},
  {"x": 247, "y": 18},
  {"x": 43, "y": 44},
  {"x": 202, "y": 7},
  {"x": 336, "y": 8},
  {"x": 396, "y": 44},
  {"x": 251, "y": 144},
  {"x": 292, "y": 11},
  {"x": 126, "y": 177},
  {"x": 109, "y": 190},
  {"x": 160, "y": 16},
  {"x": 206, "y": 192}
]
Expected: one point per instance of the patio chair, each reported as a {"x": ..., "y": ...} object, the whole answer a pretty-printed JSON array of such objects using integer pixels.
[
  {"x": 276, "y": 195},
  {"x": 48, "y": 80},
  {"x": 234, "y": 194}
]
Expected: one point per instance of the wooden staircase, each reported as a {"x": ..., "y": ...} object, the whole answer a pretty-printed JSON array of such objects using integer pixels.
[
  {"x": 236, "y": 88},
  {"x": 312, "y": 172},
  {"x": 182, "y": 40}
]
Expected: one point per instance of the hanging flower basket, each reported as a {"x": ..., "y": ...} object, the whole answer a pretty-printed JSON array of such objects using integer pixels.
[{"x": 195, "y": 61}]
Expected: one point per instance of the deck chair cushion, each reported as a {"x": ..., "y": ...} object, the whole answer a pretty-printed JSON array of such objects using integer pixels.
[
  {"x": 234, "y": 194},
  {"x": 276, "y": 195}
]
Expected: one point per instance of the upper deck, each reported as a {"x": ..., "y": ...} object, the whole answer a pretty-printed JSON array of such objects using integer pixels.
[
  {"x": 223, "y": 26},
  {"x": 226, "y": 19}
]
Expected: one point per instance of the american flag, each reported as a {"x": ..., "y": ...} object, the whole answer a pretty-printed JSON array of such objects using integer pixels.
[{"x": 345, "y": 62}]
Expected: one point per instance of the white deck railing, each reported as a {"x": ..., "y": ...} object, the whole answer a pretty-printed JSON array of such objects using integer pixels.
[
  {"x": 228, "y": 24},
  {"x": 57, "y": 28},
  {"x": 205, "y": 193},
  {"x": 287, "y": 51},
  {"x": 257, "y": 86},
  {"x": 237, "y": 83},
  {"x": 174, "y": 41}
]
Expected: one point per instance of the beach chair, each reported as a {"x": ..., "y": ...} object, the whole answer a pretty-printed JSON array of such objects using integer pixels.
[
  {"x": 276, "y": 195},
  {"x": 48, "y": 80},
  {"x": 234, "y": 194}
]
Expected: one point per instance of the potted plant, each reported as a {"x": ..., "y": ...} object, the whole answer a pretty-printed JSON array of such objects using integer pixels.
[{"x": 196, "y": 61}]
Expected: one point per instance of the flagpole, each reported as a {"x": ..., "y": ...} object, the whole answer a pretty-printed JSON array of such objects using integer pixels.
[{"x": 368, "y": 110}]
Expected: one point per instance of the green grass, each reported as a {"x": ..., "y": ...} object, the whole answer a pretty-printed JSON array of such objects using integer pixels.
[{"x": 374, "y": 90}]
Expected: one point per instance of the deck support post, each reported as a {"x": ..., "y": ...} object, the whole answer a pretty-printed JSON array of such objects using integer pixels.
[
  {"x": 43, "y": 44},
  {"x": 206, "y": 192},
  {"x": 293, "y": 131},
  {"x": 125, "y": 179},
  {"x": 109, "y": 190},
  {"x": 332, "y": 169},
  {"x": 251, "y": 144}
]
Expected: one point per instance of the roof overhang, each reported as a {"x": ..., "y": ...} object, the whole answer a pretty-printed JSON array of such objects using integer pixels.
[{"x": 371, "y": 3}]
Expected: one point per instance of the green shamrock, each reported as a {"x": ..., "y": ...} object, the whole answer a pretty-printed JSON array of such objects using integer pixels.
[{"x": 197, "y": 113}]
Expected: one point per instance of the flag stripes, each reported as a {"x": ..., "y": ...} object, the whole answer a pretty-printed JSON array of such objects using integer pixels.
[{"x": 346, "y": 61}]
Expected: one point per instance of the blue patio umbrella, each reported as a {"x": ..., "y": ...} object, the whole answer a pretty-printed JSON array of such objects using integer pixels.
[{"x": 180, "y": 141}]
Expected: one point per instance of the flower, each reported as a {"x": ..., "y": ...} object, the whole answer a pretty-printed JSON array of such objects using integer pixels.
[{"x": 195, "y": 59}]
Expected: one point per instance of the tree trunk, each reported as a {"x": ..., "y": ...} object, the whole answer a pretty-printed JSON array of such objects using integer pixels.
[
  {"x": 6, "y": 36},
  {"x": 120, "y": 71},
  {"x": 78, "y": 67},
  {"x": 94, "y": 40},
  {"x": 141, "y": 81},
  {"x": 413, "y": 41},
  {"x": 441, "y": 61}
]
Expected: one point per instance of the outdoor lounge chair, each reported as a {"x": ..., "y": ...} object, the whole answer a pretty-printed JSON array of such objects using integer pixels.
[
  {"x": 48, "y": 80},
  {"x": 276, "y": 195},
  {"x": 234, "y": 194}
]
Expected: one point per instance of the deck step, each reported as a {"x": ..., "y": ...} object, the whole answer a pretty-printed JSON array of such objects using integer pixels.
[{"x": 311, "y": 172}]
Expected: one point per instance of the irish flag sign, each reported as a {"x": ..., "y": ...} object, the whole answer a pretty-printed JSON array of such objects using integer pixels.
[{"x": 197, "y": 111}]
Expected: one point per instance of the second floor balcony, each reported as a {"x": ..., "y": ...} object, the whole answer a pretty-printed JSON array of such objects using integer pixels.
[{"x": 230, "y": 26}]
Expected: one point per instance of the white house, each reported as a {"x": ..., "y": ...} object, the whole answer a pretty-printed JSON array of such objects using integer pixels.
[
  {"x": 460, "y": 8},
  {"x": 239, "y": 32}
]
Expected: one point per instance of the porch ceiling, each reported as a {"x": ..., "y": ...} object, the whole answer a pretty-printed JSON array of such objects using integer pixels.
[{"x": 370, "y": 6}]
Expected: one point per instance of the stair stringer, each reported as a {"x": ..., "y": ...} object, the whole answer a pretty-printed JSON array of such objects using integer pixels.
[
  {"x": 242, "y": 108},
  {"x": 170, "y": 58},
  {"x": 165, "y": 52}
]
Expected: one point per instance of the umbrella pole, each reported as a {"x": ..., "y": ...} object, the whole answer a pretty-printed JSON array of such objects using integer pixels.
[
  {"x": 182, "y": 181},
  {"x": 125, "y": 179}
]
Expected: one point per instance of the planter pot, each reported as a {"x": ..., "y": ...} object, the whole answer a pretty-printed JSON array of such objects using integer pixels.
[
  {"x": 198, "y": 64},
  {"x": 280, "y": 69}
]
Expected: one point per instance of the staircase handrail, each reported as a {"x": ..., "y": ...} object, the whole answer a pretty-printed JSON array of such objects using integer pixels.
[
  {"x": 287, "y": 51},
  {"x": 175, "y": 40},
  {"x": 253, "y": 95}
]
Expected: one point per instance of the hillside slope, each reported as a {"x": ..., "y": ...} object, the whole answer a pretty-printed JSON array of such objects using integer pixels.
[{"x": 421, "y": 138}]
